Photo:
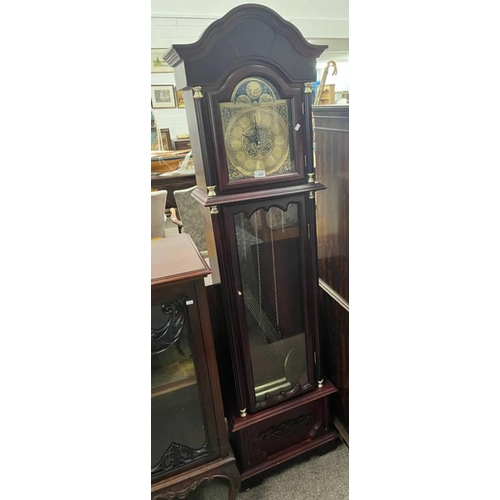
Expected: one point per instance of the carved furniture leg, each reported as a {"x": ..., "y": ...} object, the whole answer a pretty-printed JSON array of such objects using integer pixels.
[
  {"x": 234, "y": 478},
  {"x": 186, "y": 483}
]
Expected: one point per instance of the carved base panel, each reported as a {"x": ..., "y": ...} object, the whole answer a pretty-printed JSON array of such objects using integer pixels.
[
  {"x": 183, "y": 484},
  {"x": 270, "y": 439}
]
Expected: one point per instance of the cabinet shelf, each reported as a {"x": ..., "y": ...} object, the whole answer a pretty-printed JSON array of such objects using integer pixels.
[
  {"x": 172, "y": 387},
  {"x": 172, "y": 377}
]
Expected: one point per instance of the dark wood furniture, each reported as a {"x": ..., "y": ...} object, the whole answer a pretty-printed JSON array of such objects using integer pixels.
[
  {"x": 171, "y": 183},
  {"x": 247, "y": 86},
  {"x": 331, "y": 129},
  {"x": 182, "y": 144},
  {"x": 189, "y": 441},
  {"x": 166, "y": 140}
]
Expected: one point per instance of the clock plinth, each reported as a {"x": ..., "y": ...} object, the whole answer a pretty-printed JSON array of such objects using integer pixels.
[{"x": 283, "y": 432}]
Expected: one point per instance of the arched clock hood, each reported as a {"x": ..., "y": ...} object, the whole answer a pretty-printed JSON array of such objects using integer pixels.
[{"x": 248, "y": 34}]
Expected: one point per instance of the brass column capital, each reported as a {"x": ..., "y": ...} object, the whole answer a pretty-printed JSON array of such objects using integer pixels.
[{"x": 197, "y": 93}]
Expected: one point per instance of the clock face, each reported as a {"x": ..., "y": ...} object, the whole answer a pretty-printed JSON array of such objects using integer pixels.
[{"x": 257, "y": 130}]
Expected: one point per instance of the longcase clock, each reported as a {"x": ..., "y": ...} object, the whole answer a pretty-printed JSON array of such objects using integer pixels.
[{"x": 247, "y": 87}]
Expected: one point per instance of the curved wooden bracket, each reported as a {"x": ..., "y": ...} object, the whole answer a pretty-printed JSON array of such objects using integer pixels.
[{"x": 227, "y": 470}]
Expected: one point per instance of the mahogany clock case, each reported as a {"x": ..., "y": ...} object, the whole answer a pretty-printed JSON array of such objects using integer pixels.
[
  {"x": 286, "y": 269},
  {"x": 261, "y": 233}
]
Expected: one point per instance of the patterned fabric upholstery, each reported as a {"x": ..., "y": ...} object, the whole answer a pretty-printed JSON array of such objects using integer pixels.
[{"x": 191, "y": 215}]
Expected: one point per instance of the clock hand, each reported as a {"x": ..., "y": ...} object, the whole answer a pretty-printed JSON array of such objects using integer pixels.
[
  {"x": 257, "y": 136},
  {"x": 251, "y": 136}
]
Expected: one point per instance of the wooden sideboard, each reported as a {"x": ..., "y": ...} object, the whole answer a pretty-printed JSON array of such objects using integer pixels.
[
  {"x": 189, "y": 439},
  {"x": 331, "y": 131}
]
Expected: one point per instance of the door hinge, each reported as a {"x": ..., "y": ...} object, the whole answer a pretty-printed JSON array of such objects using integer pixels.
[
  {"x": 308, "y": 231},
  {"x": 315, "y": 362}
]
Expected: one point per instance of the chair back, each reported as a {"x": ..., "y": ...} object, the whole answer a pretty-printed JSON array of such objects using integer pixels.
[
  {"x": 191, "y": 215},
  {"x": 158, "y": 201}
]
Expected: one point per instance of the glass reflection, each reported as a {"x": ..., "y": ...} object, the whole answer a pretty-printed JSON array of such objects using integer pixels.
[
  {"x": 269, "y": 257},
  {"x": 178, "y": 435}
]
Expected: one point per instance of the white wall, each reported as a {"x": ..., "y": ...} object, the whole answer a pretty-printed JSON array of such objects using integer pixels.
[
  {"x": 320, "y": 23},
  {"x": 171, "y": 118},
  {"x": 333, "y": 9}
]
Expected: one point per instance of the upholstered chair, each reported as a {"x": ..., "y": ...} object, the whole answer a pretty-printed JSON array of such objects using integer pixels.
[
  {"x": 189, "y": 218},
  {"x": 158, "y": 200}
]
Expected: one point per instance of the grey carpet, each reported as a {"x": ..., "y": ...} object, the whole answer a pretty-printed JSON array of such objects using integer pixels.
[{"x": 317, "y": 478}]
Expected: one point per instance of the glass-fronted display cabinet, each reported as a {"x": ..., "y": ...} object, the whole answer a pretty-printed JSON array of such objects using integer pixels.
[
  {"x": 178, "y": 423},
  {"x": 188, "y": 433}
]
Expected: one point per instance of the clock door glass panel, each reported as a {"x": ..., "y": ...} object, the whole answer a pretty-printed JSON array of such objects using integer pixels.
[
  {"x": 178, "y": 431},
  {"x": 257, "y": 131},
  {"x": 268, "y": 245}
]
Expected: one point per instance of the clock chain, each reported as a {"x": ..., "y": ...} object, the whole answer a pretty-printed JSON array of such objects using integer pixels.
[
  {"x": 258, "y": 265},
  {"x": 274, "y": 272},
  {"x": 244, "y": 239},
  {"x": 272, "y": 333}
]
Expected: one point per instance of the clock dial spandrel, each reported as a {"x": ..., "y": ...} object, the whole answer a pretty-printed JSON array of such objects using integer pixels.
[{"x": 257, "y": 131}]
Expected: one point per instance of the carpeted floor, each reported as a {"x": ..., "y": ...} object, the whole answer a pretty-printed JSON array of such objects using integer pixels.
[{"x": 317, "y": 478}]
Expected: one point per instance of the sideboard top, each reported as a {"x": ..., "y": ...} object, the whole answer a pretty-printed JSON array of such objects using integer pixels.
[{"x": 176, "y": 258}]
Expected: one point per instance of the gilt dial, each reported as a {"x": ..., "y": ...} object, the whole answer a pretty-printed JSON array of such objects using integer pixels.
[
  {"x": 256, "y": 127},
  {"x": 257, "y": 140}
]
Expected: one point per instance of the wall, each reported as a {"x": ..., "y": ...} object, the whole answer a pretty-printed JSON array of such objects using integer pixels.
[
  {"x": 171, "y": 118},
  {"x": 185, "y": 22},
  {"x": 337, "y": 9}
]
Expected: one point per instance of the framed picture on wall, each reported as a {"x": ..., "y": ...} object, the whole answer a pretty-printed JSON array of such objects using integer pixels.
[
  {"x": 158, "y": 65},
  {"x": 163, "y": 96},
  {"x": 180, "y": 99},
  {"x": 166, "y": 140}
]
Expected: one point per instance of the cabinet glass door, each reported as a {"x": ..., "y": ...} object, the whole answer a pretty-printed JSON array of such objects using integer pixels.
[
  {"x": 269, "y": 255},
  {"x": 178, "y": 431}
]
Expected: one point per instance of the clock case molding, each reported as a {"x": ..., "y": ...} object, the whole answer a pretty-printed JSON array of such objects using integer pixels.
[
  {"x": 252, "y": 40},
  {"x": 224, "y": 95}
]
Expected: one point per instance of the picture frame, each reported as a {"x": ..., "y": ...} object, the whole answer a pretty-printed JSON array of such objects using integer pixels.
[
  {"x": 158, "y": 64},
  {"x": 163, "y": 96},
  {"x": 166, "y": 140},
  {"x": 180, "y": 99}
]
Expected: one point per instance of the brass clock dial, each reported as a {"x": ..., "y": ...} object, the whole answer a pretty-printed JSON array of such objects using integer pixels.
[{"x": 256, "y": 131}]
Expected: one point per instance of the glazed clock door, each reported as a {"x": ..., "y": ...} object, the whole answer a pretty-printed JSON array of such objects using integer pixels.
[
  {"x": 182, "y": 434},
  {"x": 259, "y": 137},
  {"x": 270, "y": 243}
]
